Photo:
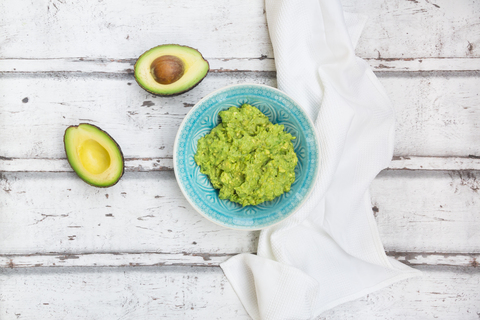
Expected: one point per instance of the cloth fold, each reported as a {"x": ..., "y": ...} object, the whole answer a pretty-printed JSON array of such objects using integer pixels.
[{"x": 328, "y": 252}]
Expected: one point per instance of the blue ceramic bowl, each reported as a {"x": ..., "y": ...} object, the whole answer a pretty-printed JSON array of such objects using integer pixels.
[{"x": 204, "y": 117}]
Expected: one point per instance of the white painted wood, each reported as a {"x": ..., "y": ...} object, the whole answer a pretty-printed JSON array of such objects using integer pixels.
[
  {"x": 126, "y": 29},
  {"x": 195, "y": 259},
  {"x": 437, "y": 114},
  {"x": 135, "y": 259},
  {"x": 223, "y": 29},
  {"x": 432, "y": 259},
  {"x": 440, "y": 293},
  {"x": 422, "y": 211},
  {"x": 204, "y": 293},
  {"x": 34, "y": 165},
  {"x": 416, "y": 211},
  {"x": 424, "y": 64},
  {"x": 418, "y": 29},
  {"x": 435, "y": 163},
  {"x": 37, "y": 110},
  {"x": 144, "y": 212},
  {"x": 80, "y": 65},
  {"x": 165, "y": 164},
  {"x": 118, "y": 293},
  {"x": 64, "y": 62},
  {"x": 125, "y": 66}
]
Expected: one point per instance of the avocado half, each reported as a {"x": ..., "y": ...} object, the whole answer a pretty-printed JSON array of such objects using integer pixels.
[
  {"x": 93, "y": 155},
  {"x": 170, "y": 69}
]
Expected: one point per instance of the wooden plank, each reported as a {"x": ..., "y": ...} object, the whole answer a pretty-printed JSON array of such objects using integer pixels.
[
  {"x": 146, "y": 207},
  {"x": 224, "y": 29},
  {"x": 166, "y": 164},
  {"x": 417, "y": 29},
  {"x": 441, "y": 293},
  {"x": 119, "y": 30},
  {"x": 118, "y": 293},
  {"x": 427, "y": 211},
  {"x": 197, "y": 259},
  {"x": 204, "y": 293},
  {"x": 36, "y": 110},
  {"x": 125, "y": 66},
  {"x": 416, "y": 211},
  {"x": 437, "y": 114}
]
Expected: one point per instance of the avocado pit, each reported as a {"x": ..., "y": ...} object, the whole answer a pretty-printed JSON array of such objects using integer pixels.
[
  {"x": 170, "y": 69},
  {"x": 167, "y": 69}
]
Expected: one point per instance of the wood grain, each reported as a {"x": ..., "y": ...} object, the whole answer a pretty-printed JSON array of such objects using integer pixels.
[
  {"x": 111, "y": 29},
  {"x": 204, "y": 293},
  {"x": 440, "y": 293},
  {"x": 427, "y": 211},
  {"x": 418, "y": 29},
  {"x": 416, "y": 211},
  {"x": 437, "y": 114},
  {"x": 118, "y": 293},
  {"x": 138, "y": 250},
  {"x": 36, "y": 111}
]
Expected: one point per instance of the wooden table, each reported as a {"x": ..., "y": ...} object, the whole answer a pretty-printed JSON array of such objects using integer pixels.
[{"x": 138, "y": 250}]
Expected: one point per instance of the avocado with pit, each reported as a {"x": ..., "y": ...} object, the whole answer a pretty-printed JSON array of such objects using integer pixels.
[
  {"x": 170, "y": 69},
  {"x": 93, "y": 155}
]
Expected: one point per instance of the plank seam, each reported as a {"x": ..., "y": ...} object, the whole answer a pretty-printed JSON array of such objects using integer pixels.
[
  {"x": 254, "y": 64},
  {"x": 9, "y": 164},
  {"x": 119, "y": 259}
]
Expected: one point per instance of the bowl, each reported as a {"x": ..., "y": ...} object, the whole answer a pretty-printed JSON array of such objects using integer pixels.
[{"x": 196, "y": 186}]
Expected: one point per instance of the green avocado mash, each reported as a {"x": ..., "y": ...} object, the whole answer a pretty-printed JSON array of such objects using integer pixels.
[{"x": 247, "y": 157}]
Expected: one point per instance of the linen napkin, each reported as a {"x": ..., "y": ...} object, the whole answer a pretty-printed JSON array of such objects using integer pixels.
[{"x": 329, "y": 252}]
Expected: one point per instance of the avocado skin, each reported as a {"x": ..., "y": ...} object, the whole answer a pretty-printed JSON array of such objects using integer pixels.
[
  {"x": 173, "y": 93},
  {"x": 117, "y": 145}
]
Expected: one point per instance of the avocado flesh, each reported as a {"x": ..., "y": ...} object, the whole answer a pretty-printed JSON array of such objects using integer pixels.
[
  {"x": 93, "y": 155},
  {"x": 192, "y": 64}
]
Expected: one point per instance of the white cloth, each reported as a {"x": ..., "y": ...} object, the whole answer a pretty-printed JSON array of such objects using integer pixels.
[{"x": 329, "y": 252}]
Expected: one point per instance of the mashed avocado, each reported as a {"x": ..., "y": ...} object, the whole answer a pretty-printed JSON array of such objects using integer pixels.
[{"x": 249, "y": 159}]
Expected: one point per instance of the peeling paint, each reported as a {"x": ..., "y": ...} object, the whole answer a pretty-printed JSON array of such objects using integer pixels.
[{"x": 148, "y": 104}]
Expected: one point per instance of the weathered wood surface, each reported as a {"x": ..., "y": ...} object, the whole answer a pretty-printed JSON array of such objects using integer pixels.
[
  {"x": 416, "y": 211},
  {"x": 204, "y": 293},
  {"x": 198, "y": 259},
  {"x": 441, "y": 293},
  {"x": 437, "y": 114},
  {"x": 226, "y": 29},
  {"x": 428, "y": 211},
  {"x": 134, "y": 250}
]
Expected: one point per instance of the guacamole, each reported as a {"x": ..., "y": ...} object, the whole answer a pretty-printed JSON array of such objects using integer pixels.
[{"x": 249, "y": 159}]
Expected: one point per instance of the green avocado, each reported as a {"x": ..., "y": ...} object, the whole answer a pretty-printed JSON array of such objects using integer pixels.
[
  {"x": 170, "y": 69},
  {"x": 93, "y": 155}
]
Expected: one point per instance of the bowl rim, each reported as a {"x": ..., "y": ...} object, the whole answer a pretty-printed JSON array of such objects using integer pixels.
[{"x": 188, "y": 115}]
